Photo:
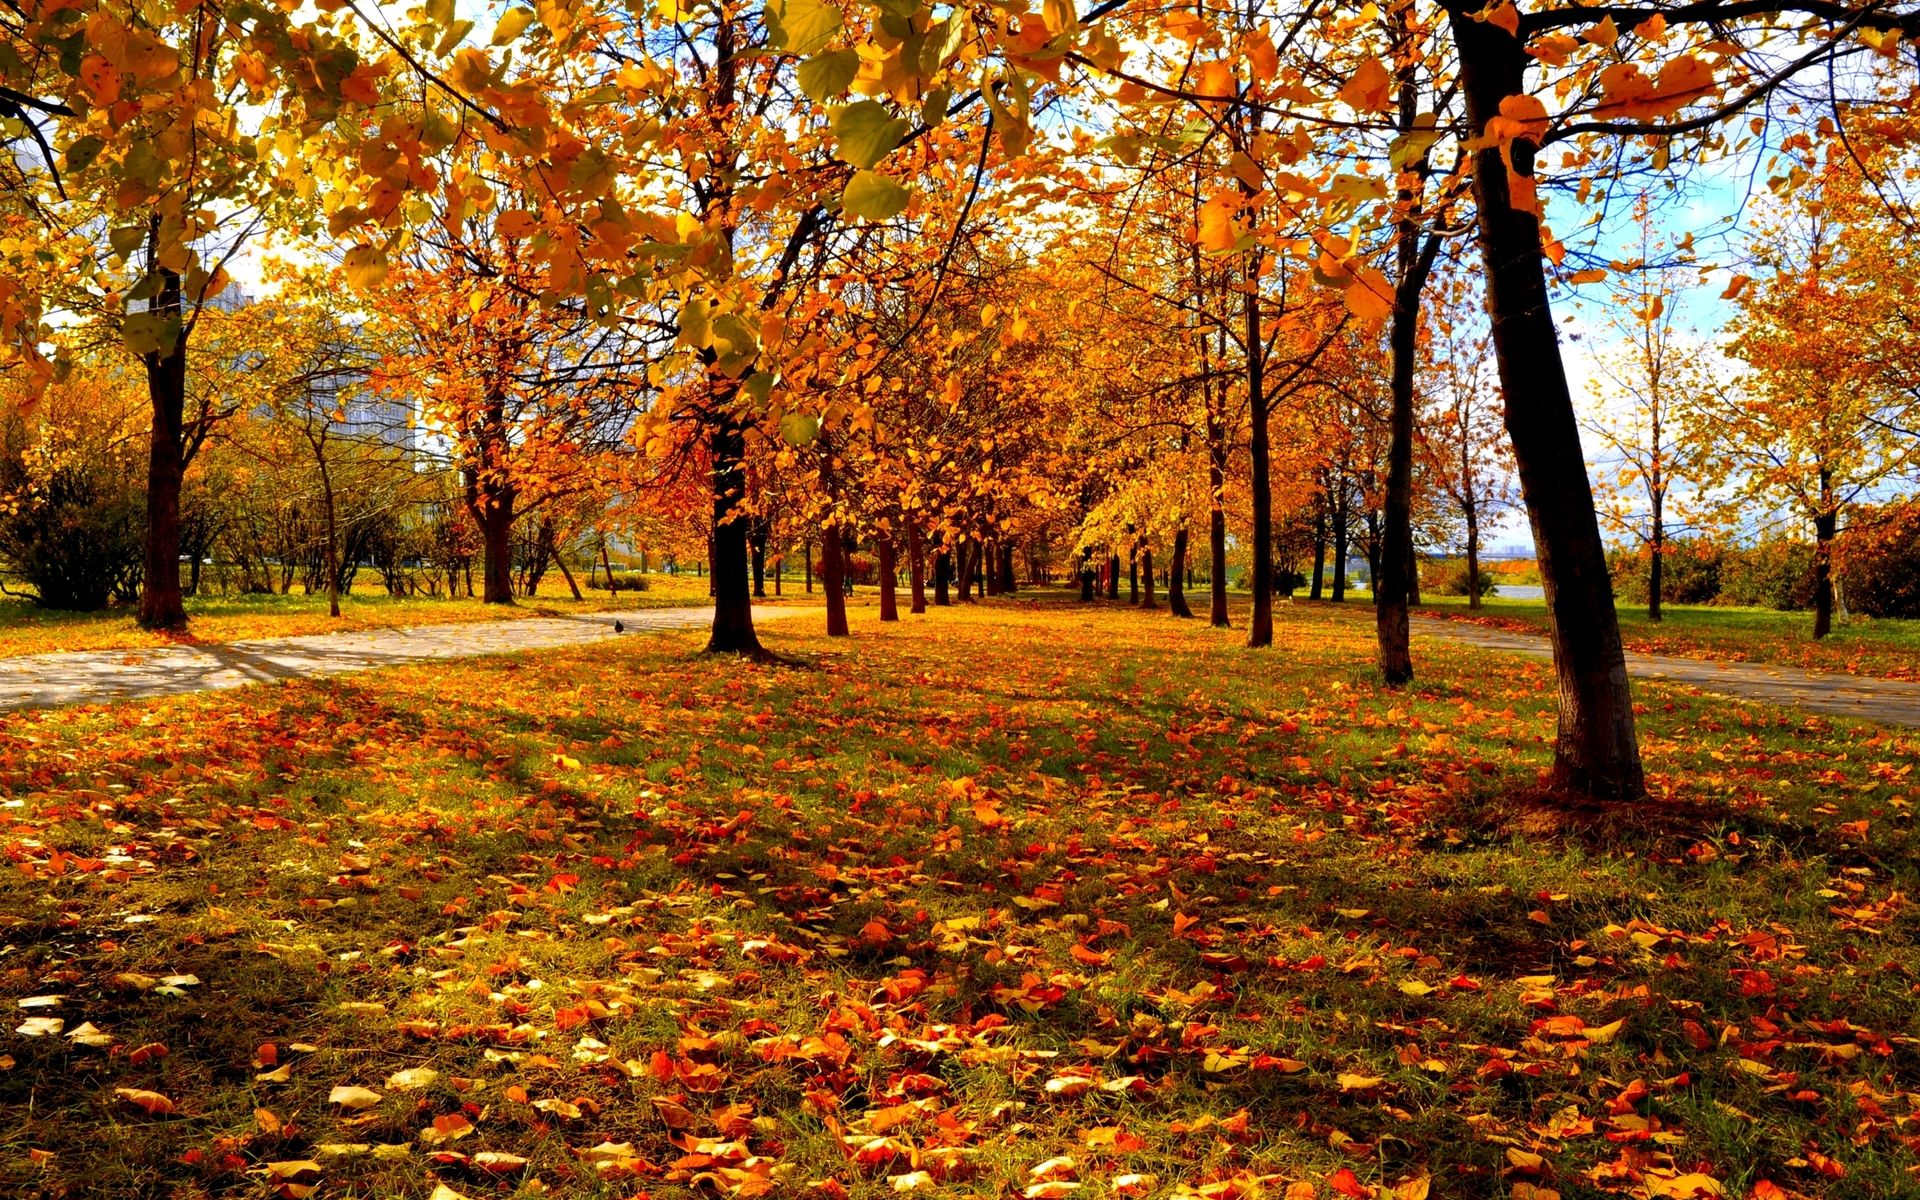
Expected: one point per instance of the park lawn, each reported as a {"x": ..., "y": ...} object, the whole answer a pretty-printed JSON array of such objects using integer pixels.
[
  {"x": 28, "y": 629},
  {"x": 990, "y": 902},
  {"x": 1887, "y": 648}
]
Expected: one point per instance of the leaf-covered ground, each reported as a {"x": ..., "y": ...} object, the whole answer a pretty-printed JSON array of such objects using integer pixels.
[
  {"x": 28, "y": 629},
  {"x": 1886, "y": 648},
  {"x": 1017, "y": 900}
]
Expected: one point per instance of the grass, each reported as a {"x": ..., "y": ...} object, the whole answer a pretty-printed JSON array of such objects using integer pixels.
[
  {"x": 1887, "y": 648},
  {"x": 990, "y": 902},
  {"x": 28, "y": 629}
]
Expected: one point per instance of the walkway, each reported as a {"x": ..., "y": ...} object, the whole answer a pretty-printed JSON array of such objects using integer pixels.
[
  {"x": 1889, "y": 701},
  {"x": 96, "y": 676}
]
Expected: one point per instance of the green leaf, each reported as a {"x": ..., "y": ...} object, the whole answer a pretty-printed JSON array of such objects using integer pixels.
[
  {"x": 151, "y": 332},
  {"x": 453, "y": 36},
  {"x": 126, "y": 239},
  {"x": 802, "y": 27},
  {"x": 874, "y": 197},
  {"x": 933, "y": 109},
  {"x": 799, "y": 429},
  {"x": 82, "y": 152},
  {"x": 866, "y": 132},
  {"x": 511, "y": 25},
  {"x": 826, "y": 76},
  {"x": 759, "y": 385},
  {"x": 943, "y": 42}
]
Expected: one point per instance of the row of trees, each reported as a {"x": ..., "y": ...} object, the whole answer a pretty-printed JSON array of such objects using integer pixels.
[{"x": 945, "y": 277}]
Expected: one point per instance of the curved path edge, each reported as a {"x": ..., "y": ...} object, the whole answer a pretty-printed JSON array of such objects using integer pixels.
[
  {"x": 103, "y": 676},
  {"x": 1888, "y": 701}
]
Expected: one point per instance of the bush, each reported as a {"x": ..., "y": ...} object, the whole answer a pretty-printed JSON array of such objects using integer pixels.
[
  {"x": 1690, "y": 574},
  {"x": 1879, "y": 562},
  {"x": 72, "y": 516},
  {"x": 1456, "y": 581},
  {"x": 1776, "y": 573}
]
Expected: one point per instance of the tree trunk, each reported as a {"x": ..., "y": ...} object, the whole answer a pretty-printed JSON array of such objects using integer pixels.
[
  {"x": 1473, "y": 557},
  {"x": 1596, "y": 751},
  {"x": 733, "y": 631},
  {"x": 883, "y": 553},
  {"x": 1391, "y": 587},
  {"x": 333, "y": 533},
  {"x": 1340, "y": 546},
  {"x": 161, "y": 604},
  {"x": 1319, "y": 546},
  {"x": 1086, "y": 577},
  {"x": 1146, "y": 574},
  {"x": 1656, "y": 570},
  {"x": 757, "y": 542},
  {"x": 833, "y": 579},
  {"x": 942, "y": 573},
  {"x": 1008, "y": 583},
  {"x": 1113, "y": 576},
  {"x": 1176, "y": 578},
  {"x": 495, "y": 518},
  {"x": 917, "y": 569},
  {"x": 1260, "y": 625},
  {"x": 807, "y": 550},
  {"x": 990, "y": 568},
  {"x": 560, "y": 560},
  {"x": 1133, "y": 570},
  {"x": 1216, "y": 516},
  {"x": 1826, "y": 524}
]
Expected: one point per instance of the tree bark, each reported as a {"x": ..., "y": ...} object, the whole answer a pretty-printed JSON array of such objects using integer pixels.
[
  {"x": 1319, "y": 546},
  {"x": 883, "y": 553},
  {"x": 1009, "y": 584},
  {"x": 1133, "y": 569},
  {"x": 806, "y": 550},
  {"x": 1086, "y": 577},
  {"x": 1340, "y": 518},
  {"x": 1176, "y": 578},
  {"x": 1656, "y": 570},
  {"x": 1260, "y": 624},
  {"x": 833, "y": 580},
  {"x": 1826, "y": 524},
  {"x": 1391, "y": 587},
  {"x": 560, "y": 560},
  {"x": 917, "y": 569},
  {"x": 333, "y": 531},
  {"x": 942, "y": 573},
  {"x": 757, "y": 542},
  {"x": 162, "y": 606},
  {"x": 1113, "y": 576},
  {"x": 1473, "y": 557},
  {"x": 492, "y": 507},
  {"x": 733, "y": 631},
  {"x": 1596, "y": 751},
  {"x": 1146, "y": 574}
]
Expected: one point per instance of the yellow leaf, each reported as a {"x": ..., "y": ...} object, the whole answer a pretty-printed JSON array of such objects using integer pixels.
[
  {"x": 1369, "y": 296},
  {"x": 1370, "y": 89},
  {"x": 1351, "y": 1082},
  {"x": 1504, "y": 15}
]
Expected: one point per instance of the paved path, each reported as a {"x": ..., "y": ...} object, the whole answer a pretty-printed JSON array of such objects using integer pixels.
[
  {"x": 94, "y": 676},
  {"x": 1888, "y": 701}
]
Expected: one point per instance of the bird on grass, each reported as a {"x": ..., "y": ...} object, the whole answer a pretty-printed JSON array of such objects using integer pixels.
[{"x": 619, "y": 626}]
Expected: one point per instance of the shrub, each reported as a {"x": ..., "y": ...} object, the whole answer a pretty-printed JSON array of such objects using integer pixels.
[
  {"x": 1879, "y": 562},
  {"x": 1456, "y": 582},
  {"x": 1690, "y": 574},
  {"x": 72, "y": 516},
  {"x": 1776, "y": 573}
]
